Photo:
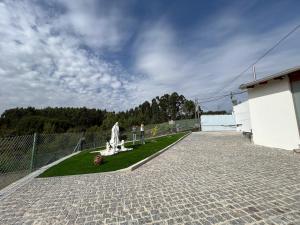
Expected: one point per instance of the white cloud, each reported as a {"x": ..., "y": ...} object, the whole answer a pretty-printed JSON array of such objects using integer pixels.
[
  {"x": 202, "y": 71},
  {"x": 98, "y": 23},
  {"x": 46, "y": 57},
  {"x": 41, "y": 69}
]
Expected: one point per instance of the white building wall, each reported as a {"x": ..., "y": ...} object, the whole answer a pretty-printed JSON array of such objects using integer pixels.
[
  {"x": 273, "y": 117},
  {"x": 217, "y": 123},
  {"x": 242, "y": 117}
]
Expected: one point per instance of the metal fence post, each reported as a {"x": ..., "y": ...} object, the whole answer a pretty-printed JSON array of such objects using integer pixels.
[
  {"x": 33, "y": 152},
  {"x": 82, "y": 141},
  {"x": 80, "y": 144}
]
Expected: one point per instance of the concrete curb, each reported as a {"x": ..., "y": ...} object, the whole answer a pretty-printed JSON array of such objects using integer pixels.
[
  {"x": 140, "y": 163},
  {"x": 5, "y": 192}
]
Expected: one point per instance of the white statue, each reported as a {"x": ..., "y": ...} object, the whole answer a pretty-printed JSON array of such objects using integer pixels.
[
  {"x": 123, "y": 146},
  {"x": 112, "y": 145},
  {"x": 107, "y": 146},
  {"x": 114, "y": 140}
]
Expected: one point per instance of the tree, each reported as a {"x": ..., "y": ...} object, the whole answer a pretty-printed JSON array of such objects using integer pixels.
[
  {"x": 155, "y": 111},
  {"x": 20, "y": 121},
  {"x": 173, "y": 106},
  {"x": 164, "y": 108},
  {"x": 49, "y": 128},
  {"x": 146, "y": 112},
  {"x": 189, "y": 109},
  {"x": 109, "y": 120}
]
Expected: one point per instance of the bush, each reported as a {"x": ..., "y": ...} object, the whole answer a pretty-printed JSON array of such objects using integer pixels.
[{"x": 154, "y": 131}]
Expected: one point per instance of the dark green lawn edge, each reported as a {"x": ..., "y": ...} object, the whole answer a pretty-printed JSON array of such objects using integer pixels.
[{"x": 82, "y": 163}]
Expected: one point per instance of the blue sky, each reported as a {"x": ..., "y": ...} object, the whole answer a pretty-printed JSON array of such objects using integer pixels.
[{"x": 116, "y": 54}]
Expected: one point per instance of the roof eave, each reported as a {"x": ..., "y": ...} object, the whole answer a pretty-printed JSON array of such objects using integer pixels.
[{"x": 275, "y": 76}]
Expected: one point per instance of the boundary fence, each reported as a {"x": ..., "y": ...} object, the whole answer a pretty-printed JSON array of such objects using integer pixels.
[{"x": 21, "y": 155}]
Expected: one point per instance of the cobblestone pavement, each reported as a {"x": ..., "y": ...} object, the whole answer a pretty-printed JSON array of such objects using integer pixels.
[{"x": 208, "y": 178}]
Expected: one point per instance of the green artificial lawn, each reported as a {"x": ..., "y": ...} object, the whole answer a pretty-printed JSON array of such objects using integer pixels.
[{"x": 82, "y": 163}]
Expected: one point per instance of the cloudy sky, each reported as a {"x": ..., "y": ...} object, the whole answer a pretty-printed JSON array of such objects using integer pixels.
[{"x": 116, "y": 54}]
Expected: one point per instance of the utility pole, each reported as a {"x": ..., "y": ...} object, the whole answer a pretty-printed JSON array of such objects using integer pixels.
[
  {"x": 233, "y": 101},
  {"x": 197, "y": 114},
  {"x": 254, "y": 72},
  {"x": 195, "y": 102}
]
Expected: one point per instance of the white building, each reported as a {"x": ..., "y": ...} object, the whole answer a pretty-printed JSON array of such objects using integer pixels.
[
  {"x": 242, "y": 117},
  {"x": 217, "y": 123},
  {"x": 274, "y": 105}
]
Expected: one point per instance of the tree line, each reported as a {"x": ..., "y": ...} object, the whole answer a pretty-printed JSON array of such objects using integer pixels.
[{"x": 21, "y": 121}]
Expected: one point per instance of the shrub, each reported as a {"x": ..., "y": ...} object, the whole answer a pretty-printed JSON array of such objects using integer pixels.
[{"x": 154, "y": 131}]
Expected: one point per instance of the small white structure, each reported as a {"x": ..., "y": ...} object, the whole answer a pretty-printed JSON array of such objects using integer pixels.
[
  {"x": 217, "y": 123},
  {"x": 112, "y": 147},
  {"x": 242, "y": 117},
  {"x": 274, "y": 104},
  {"x": 171, "y": 122}
]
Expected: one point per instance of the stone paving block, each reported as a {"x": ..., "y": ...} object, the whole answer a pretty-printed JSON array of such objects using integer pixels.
[{"x": 207, "y": 178}]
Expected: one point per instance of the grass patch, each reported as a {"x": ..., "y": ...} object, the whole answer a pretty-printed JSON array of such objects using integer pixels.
[{"x": 82, "y": 163}]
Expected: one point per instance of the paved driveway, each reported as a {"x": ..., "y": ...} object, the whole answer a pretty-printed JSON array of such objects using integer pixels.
[{"x": 208, "y": 178}]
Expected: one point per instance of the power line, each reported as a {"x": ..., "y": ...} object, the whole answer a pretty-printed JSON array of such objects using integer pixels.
[
  {"x": 215, "y": 98},
  {"x": 225, "y": 95},
  {"x": 262, "y": 56},
  {"x": 208, "y": 98},
  {"x": 222, "y": 96}
]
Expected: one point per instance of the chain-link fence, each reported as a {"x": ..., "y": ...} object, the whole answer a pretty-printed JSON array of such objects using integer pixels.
[
  {"x": 21, "y": 155},
  {"x": 15, "y": 158},
  {"x": 172, "y": 126},
  {"x": 51, "y": 147}
]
